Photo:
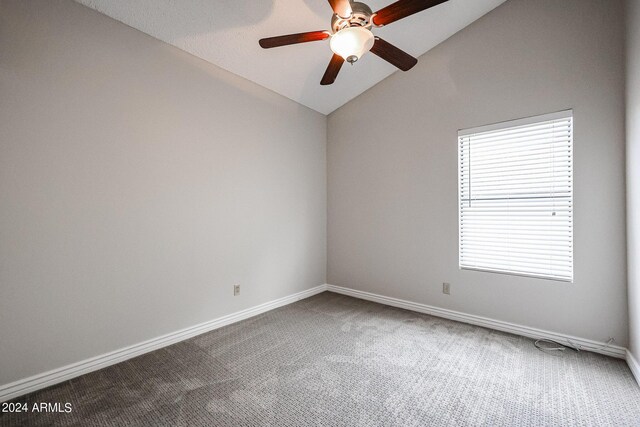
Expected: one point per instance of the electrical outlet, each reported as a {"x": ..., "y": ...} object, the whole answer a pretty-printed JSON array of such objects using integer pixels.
[
  {"x": 236, "y": 290},
  {"x": 446, "y": 288}
]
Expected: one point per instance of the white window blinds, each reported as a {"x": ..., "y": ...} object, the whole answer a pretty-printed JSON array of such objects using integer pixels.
[{"x": 516, "y": 197}]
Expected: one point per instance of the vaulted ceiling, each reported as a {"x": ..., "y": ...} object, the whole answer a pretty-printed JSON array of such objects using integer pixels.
[{"x": 226, "y": 33}]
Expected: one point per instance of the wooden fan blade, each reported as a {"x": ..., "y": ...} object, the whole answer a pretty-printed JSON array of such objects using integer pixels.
[
  {"x": 393, "y": 55},
  {"x": 311, "y": 36},
  {"x": 342, "y": 8},
  {"x": 402, "y": 9},
  {"x": 332, "y": 70}
]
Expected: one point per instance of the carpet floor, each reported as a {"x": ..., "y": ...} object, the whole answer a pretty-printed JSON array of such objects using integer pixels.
[{"x": 332, "y": 360}]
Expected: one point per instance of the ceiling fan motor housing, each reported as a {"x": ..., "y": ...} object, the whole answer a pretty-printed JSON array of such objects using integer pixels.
[{"x": 360, "y": 17}]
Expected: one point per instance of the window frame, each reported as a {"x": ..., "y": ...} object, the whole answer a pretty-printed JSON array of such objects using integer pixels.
[{"x": 531, "y": 120}]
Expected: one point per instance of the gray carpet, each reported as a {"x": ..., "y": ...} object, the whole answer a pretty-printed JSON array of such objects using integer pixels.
[{"x": 332, "y": 360}]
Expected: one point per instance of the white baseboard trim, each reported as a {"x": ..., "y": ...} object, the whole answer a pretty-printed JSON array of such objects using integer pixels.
[
  {"x": 584, "y": 344},
  {"x": 46, "y": 379},
  {"x": 634, "y": 366}
]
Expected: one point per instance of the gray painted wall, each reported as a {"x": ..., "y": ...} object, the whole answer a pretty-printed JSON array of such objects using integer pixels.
[
  {"x": 137, "y": 184},
  {"x": 633, "y": 172},
  {"x": 392, "y": 170}
]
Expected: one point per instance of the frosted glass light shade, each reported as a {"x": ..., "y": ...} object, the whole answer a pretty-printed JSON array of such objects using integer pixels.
[{"x": 351, "y": 43}]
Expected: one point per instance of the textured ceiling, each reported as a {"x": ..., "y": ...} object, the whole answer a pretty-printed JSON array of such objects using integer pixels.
[{"x": 226, "y": 33}]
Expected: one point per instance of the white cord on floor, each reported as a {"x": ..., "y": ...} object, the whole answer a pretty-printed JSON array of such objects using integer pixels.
[
  {"x": 607, "y": 344},
  {"x": 563, "y": 347},
  {"x": 558, "y": 346}
]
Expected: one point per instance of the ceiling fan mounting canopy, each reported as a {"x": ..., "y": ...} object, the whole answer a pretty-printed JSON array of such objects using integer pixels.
[{"x": 351, "y": 35}]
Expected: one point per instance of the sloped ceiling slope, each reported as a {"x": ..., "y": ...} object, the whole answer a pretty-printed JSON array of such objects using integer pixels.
[{"x": 226, "y": 33}]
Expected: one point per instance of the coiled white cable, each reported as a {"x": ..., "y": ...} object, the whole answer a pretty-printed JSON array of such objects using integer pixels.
[{"x": 556, "y": 346}]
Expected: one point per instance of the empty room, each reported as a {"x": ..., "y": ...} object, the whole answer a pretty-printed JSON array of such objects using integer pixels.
[{"x": 320, "y": 213}]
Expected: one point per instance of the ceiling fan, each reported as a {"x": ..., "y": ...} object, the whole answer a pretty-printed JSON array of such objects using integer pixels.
[{"x": 351, "y": 35}]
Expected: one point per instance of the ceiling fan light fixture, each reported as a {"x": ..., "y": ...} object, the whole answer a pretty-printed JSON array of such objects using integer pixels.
[{"x": 351, "y": 43}]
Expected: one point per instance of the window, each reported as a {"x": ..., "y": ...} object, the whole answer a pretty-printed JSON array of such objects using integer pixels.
[{"x": 516, "y": 197}]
